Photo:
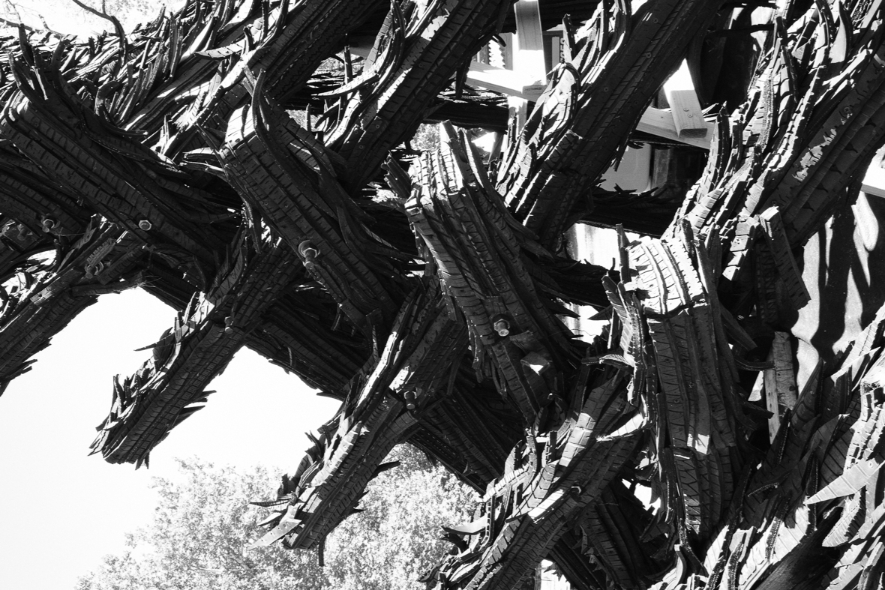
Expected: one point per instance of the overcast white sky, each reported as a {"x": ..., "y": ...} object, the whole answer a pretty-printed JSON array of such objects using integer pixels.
[{"x": 61, "y": 511}]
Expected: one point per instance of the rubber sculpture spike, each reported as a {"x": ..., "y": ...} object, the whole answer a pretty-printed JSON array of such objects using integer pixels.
[{"x": 723, "y": 429}]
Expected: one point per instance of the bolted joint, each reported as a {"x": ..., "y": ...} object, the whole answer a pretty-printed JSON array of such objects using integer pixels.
[
  {"x": 502, "y": 327},
  {"x": 410, "y": 400},
  {"x": 49, "y": 224},
  {"x": 144, "y": 225},
  {"x": 307, "y": 251}
]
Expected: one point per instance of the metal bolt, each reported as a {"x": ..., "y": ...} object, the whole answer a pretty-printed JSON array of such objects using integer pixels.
[
  {"x": 502, "y": 327},
  {"x": 48, "y": 225},
  {"x": 410, "y": 400},
  {"x": 307, "y": 250},
  {"x": 144, "y": 225}
]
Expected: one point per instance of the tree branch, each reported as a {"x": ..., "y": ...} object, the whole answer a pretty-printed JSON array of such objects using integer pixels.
[
  {"x": 16, "y": 25},
  {"x": 103, "y": 14}
]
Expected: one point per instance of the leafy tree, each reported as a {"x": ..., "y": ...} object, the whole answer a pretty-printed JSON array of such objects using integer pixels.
[
  {"x": 203, "y": 526},
  {"x": 129, "y": 12}
]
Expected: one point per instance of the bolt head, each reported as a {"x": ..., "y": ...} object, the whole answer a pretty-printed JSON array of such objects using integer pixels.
[
  {"x": 307, "y": 250},
  {"x": 502, "y": 327},
  {"x": 144, "y": 225}
]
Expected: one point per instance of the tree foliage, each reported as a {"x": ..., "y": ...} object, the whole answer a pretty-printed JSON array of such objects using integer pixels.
[
  {"x": 43, "y": 15},
  {"x": 203, "y": 526}
]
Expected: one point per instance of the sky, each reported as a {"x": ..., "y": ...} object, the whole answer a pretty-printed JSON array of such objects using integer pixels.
[{"x": 61, "y": 507}]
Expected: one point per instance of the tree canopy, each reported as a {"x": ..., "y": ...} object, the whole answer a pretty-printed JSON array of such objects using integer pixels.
[{"x": 203, "y": 526}]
